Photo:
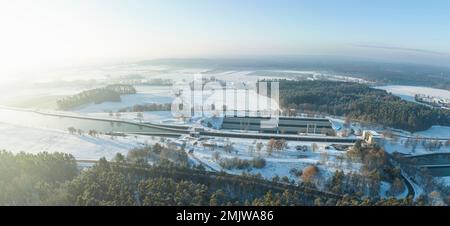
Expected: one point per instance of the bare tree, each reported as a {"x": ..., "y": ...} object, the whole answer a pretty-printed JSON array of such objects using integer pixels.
[{"x": 309, "y": 173}]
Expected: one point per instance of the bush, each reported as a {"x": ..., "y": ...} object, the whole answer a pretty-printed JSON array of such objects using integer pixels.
[{"x": 309, "y": 173}]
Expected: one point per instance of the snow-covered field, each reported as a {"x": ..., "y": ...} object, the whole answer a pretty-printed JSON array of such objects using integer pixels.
[
  {"x": 441, "y": 133},
  {"x": 444, "y": 180},
  {"x": 408, "y": 92},
  {"x": 34, "y": 140}
]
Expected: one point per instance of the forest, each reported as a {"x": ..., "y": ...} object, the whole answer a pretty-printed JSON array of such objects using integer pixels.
[
  {"x": 98, "y": 95},
  {"x": 54, "y": 179},
  {"x": 360, "y": 102}
]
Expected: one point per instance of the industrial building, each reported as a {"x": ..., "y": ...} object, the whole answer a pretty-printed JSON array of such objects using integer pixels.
[{"x": 285, "y": 125}]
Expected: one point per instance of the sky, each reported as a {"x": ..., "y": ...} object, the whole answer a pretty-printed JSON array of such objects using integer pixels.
[{"x": 46, "y": 33}]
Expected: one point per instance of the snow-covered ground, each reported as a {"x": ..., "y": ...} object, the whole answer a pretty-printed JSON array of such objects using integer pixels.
[
  {"x": 442, "y": 132},
  {"x": 385, "y": 187},
  {"x": 279, "y": 163},
  {"x": 18, "y": 134},
  {"x": 313, "y": 75},
  {"x": 34, "y": 140},
  {"x": 400, "y": 146},
  {"x": 413, "y": 90},
  {"x": 144, "y": 95},
  {"x": 408, "y": 92},
  {"x": 127, "y": 101},
  {"x": 438, "y": 135}
]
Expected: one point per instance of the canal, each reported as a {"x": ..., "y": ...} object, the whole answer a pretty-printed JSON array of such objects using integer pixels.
[{"x": 50, "y": 121}]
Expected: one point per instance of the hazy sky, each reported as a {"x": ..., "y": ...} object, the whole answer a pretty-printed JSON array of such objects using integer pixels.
[{"x": 44, "y": 32}]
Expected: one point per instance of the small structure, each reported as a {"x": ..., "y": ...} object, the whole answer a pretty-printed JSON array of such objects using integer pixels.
[{"x": 371, "y": 137}]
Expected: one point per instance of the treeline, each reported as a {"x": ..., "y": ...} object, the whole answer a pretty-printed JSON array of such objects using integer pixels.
[
  {"x": 139, "y": 80},
  {"x": 147, "y": 107},
  {"x": 98, "y": 95},
  {"x": 360, "y": 102}
]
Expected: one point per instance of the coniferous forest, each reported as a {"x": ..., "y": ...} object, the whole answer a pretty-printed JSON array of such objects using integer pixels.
[
  {"x": 54, "y": 179},
  {"x": 360, "y": 102}
]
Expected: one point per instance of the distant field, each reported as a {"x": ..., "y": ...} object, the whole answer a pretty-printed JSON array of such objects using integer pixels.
[{"x": 411, "y": 91}]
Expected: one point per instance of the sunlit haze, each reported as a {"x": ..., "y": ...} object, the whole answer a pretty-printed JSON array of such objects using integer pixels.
[{"x": 45, "y": 33}]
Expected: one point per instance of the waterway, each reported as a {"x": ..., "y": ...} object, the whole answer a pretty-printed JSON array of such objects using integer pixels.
[{"x": 48, "y": 121}]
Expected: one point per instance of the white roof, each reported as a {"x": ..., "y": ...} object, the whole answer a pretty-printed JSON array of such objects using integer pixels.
[{"x": 373, "y": 132}]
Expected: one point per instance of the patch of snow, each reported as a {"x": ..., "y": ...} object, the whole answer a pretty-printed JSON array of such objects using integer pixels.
[{"x": 399, "y": 146}]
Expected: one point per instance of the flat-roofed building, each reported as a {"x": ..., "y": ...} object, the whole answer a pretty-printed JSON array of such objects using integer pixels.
[{"x": 284, "y": 125}]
